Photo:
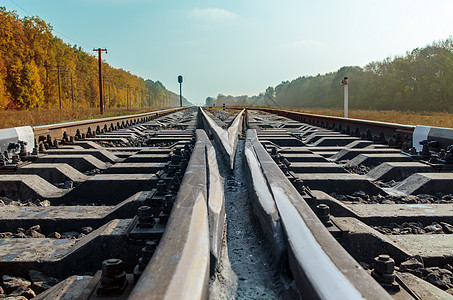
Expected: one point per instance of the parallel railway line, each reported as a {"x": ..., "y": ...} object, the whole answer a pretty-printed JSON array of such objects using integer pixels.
[{"x": 135, "y": 207}]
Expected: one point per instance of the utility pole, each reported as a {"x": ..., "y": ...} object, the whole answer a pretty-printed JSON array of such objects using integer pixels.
[
  {"x": 104, "y": 100},
  {"x": 127, "y": 97},
  {"x": 72, "y": 93},
  {"x": 101, "y": 104},
  {"x": 345, "y": 83},
  {"x": 58, "y": 68},
  {"x": 149, "y": 98},
  {"x": 143, "y": 98},
  {"x": 180, "y": 90},
  {"x": 109, "y": 94},
  {"x": 59, "y": 86}
]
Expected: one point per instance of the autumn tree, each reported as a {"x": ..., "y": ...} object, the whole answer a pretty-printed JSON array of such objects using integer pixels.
[{"x": 30, "y": 58}]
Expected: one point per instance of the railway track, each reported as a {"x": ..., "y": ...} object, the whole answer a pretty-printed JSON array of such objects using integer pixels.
[{"x": 156, "y": 206}]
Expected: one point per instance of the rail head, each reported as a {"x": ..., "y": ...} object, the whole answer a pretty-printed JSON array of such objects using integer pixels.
[{"x": 180, "y": 267}]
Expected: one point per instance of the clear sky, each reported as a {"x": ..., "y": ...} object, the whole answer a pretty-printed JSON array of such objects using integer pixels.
[{"x": 241, "y": 47}]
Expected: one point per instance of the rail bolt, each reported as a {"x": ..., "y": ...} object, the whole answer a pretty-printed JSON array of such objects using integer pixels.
[
  {"x": 16, "y": 159},
  {"x": 384, "y": 264},
  {"x": 148, "y": 250},
  {"x": 383, "y": 272},
  {"x": 323, "y": 213},
  {"x": 299, "y": 185},
  {"x": 145, "y": 217},
  {"x": 161, "y": 186},
  {"x": 113, "y": 278},
  {"x": 112, "y": 267},
  {"x": 147, "y": 254},
  {"x": 168, "y": 200},
  {"x": 144, "y": 211},
  {"x": 322, "y": 210}
]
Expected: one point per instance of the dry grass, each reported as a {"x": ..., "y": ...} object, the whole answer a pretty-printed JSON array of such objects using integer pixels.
[
  {"x": 15, "y": 118},
  {"x": 437, "y": 119},
  {"x": 427, "y": 118}
]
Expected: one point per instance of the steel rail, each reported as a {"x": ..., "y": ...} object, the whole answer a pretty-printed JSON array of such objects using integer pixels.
[
  {"x": 180, "y": 267},
  {"x": 57, "y": 131},
  {"x": 376, "y": 127},
  {"x": 340, "y": 120},
  {"x": 321, "y": 267},
  {"x": 410, "y": 133}
]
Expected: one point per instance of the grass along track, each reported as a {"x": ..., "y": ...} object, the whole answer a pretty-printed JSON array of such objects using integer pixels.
[
  {"x": 427, "y": 118},
  {"x": 36, "y": 117}
]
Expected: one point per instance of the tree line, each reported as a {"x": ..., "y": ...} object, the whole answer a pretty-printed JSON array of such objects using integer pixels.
[
  {"x": 420, "y": 80},
  {"x": 37, "y": 69}
]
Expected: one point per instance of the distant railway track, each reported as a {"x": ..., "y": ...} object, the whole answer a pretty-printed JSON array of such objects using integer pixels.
[{"x": 134, "y": 207}]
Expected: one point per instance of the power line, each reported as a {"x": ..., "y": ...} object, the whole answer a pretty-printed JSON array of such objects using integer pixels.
[
  {"x": 53, "y": 29},
  {"x": 69, "y": 38}
]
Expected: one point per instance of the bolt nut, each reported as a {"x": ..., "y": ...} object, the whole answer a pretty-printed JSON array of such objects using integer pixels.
[
  {"x": 383, "y": 278},
  {"x": 112, "y": 267},
  {"x": 384, "y": 264},
  {"x": 148, "y": 250},
  {"x": 151, "y": 245},
  {"x": 322, "y": 210},
  {"x": 144, "y": 212},
  {"x": 161, "y": 186},
  {"x": 323, "y": 213},
  {"x": 145, "y": 217},
  {"x": 163, "y": 218},
  {"x": 113, "y": 278}
]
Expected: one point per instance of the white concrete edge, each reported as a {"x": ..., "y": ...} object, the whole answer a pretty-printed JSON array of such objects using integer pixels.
[
  {"x": 420, "y": 134},
  {"x": 15, "y": 134}
]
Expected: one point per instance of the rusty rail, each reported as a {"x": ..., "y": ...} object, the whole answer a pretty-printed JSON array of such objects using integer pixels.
[{"x": 57, "y": 131}]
